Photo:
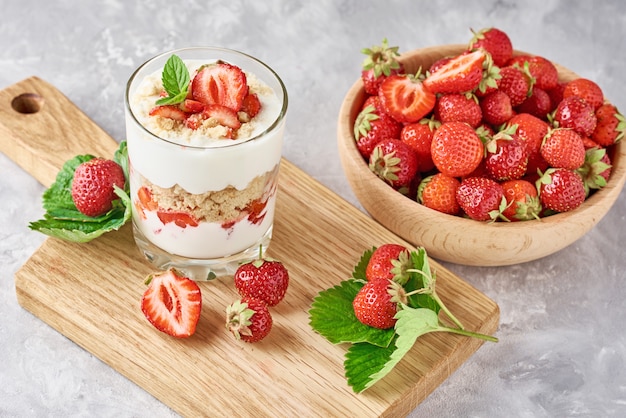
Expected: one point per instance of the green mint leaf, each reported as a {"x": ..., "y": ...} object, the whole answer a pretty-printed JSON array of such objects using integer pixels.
[
  {"x": 332, "y": 316},
  {"x": 62, "y": 219},
  {"x": 362, "y": 371},
  {"x": 359, "y": 269},
  {"x": 364, "y": 360},
  {"x": 175, "y": 78}
]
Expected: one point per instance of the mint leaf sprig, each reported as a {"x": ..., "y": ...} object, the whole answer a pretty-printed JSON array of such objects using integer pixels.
[
  {"x": 62, "y": 219},
  {"x": 373, "y": 353},
  {"x": 175, "y": 78}
]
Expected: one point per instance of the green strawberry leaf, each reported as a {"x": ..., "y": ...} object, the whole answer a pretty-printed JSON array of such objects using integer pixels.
[
  {"x": 359, "y": 270},
  {"x": 366, "y": 364},
  {"x": 419, "y": 262},
  {"x": 332, "y": 316},
  {"x": 175, "y": 78},
  {"x": 62, "y": 219}
]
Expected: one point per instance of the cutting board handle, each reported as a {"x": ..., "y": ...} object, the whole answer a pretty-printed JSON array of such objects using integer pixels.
[{"x": 40, "y": 129}]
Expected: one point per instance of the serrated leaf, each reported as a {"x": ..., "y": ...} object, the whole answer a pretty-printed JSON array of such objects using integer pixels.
[
  {"x": 411, "y": 324},
  {"x": 419, "y": 261},
  {"x": 359, "y": 270},
  {"x": 175, "y": 78},
  {"x": 332, "y": 316}
]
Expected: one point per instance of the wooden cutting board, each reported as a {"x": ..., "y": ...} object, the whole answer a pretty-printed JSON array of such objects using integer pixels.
[{"x": 91, "y": 293}]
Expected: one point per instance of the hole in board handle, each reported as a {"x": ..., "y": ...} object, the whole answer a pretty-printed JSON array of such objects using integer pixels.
[{"x": 27, "y": 103}]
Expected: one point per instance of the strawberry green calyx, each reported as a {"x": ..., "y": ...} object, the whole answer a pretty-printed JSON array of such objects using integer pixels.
[
  {"x": 491, "y": 75},
  {"x": 363, "y": 125},
  {"x": 385, "y": 165},
  {"x": 238, "y": 319},
  {"x": 595, "y": 170},
  {"x": 381, "y": 59}
]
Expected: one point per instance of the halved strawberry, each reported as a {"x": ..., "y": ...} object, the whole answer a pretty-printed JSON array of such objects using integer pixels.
[
  {"x": 180, "y": 218},
  {"x": 251, "y": 105},
  {"x": 170, "y": 112},
  {"x": 172, "y": 303},
  {"x": 223, "y": 114},
  {"x": 461, "y": 74},
  {"x": 404, "y": 98},
  {"x": 222, "y": 84}
]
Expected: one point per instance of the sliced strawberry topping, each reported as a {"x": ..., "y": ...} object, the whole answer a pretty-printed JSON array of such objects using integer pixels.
[
  {"x": 181, "y": 219},
  {"x": 170, "y": 112},
  {"x": 192, "y": 106},
  {"x": 145, "y": 198},
  {"x": 251, "y": 105},
  {"x": 222, "y": 84},
  {"x": 224, "y": 115},
  {"x": 172, "y": 303}
]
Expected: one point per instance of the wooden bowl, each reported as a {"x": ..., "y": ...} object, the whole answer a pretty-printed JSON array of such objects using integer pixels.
[{"x": 452, "y": 238}]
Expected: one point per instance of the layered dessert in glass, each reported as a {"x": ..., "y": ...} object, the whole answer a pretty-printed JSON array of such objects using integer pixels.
[{"x": 204, "y": 165}]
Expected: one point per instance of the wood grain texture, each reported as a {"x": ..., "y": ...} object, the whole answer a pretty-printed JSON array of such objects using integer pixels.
[
  {"x": 452, "y": 238},
  {"x": 91, "y": 293}
]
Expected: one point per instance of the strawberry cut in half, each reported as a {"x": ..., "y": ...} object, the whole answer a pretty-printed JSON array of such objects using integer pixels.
[
  {"x": 172, "y": 303},
  {"x": 405, "y": 99},
  {"x": 461, "y": 74},
  {"x": 220, "y": 84}
]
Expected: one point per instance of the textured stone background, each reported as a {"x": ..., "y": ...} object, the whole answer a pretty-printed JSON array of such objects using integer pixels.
[{"x": 562, "y": 346}]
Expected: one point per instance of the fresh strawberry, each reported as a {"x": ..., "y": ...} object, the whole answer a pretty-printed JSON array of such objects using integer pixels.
[
  {"x": 517, "y": 83},
  {"x": 531, "y": 130},
  {"x": 561, "y": 190},
  {"x": 264, "y": 279},
  {"x": 220, "y": 84},
  {"x": 145, "y": 198},
  {"x": 374, "y": 305},
  {"x": 93, "y": 190},
  {"x": 169, "y": 111},
  {"x": 381, "y": 62},
  {"x": 172, "y": 303},
  {"x": 405, "y": 99},
  {"x": 481, "y": 198},
  {"x": 461, "y": 74},
  {"x": 249, "y": 319},
  {"x": 522, "y": 201},
  {"x": 556, "y": 95},
  {"x": 537, "y": 104},
  {"x": 543, "y": 71},
  {"x": 587, "y": 90},
  {"x": 372, "y": 126},
  {"x": 496, "y": 108},
  {"x": 456, "y": 149},
  {"x": 596, "y": 169},
  {"x": 610, "y": 126},
  {"x": 494, "y": 41},
  {"x": 394, "y": 162},
  {"x": 191, "y": 106},
  {"x": 225, "y": 116},
  {"x": 573, "y": 112},
  {"x": 180, "y": 218},
  {"x": 506, "y": 156},
  {"x": 419, "y": 136},
  {"x": 563, "y": 148},
  {"x": 251, "y": 105},
  {"x": 458, "y": 107},
  {"x": 390, "y": 262},
  {"x": 438, "y": 192}
]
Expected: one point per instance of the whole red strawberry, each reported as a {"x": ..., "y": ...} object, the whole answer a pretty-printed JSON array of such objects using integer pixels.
[
  {"x": 460, "y": 74},
  {"x": 506, "y": 157},
  {"x": 438, "y": 192},
  {"x": 93, "y": 190},
  {"x": 573, "y": 112},
  {"x": 496, "y": 107},
  {"x": 587, "y": 90},
  {"x": 543, "y": 71},
  {"x": 531, "y": 130},
  {"x": 522, "y": 201},
  {"x": 394, "y": 162},
  {"x": 419, "y": 136},
  {"x": 494, "y": 41},
  {"x": 456, "y": 149},
  {"x": 561, "y": 190},
  {"x": 380, "y": 63},
  {"x": 563, "y": 148},
  {"x": 481, "y": 198},
  {"x": 537, "y": 104},
  {"x": 517, "y": 83},
  {"x": 172, "y": 303},
  {"x": 389, "y": 261},
  {"x": 249, "y": 319},
  {"x": 372, "y": 126},
  {"x": 263, "y": 279},
  {"x": 455, "y": 107},
  {"x": 373, "y": 304},
  {"x": 404, "y": 98},
  {"x": 610, "y": 127}
]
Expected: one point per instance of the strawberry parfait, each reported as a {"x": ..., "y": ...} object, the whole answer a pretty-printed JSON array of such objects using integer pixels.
[{"x": 204, "y": 131}]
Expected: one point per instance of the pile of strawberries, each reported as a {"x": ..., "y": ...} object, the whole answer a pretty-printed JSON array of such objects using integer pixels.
[
  {"x": 486, "y": 134},
  {"x": 172, "y": 303}
]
